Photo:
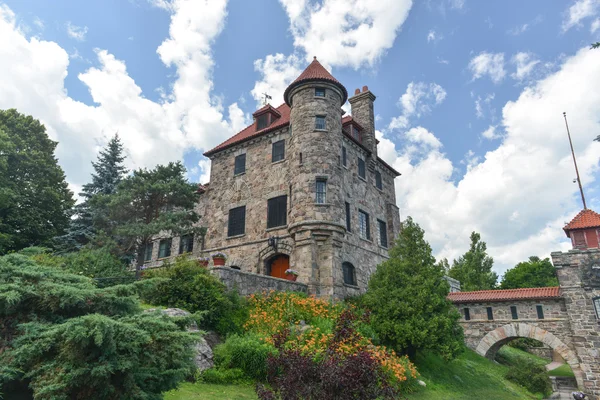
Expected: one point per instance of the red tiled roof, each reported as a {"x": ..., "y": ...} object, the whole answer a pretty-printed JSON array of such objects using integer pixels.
[
  {"x": 585, "y": 219},
  {"x": 265, "y": 108},
  {"x": 315, "y": 72},
  {"x": 505, "y": 295},
  {"x": 250, "y": 131}
]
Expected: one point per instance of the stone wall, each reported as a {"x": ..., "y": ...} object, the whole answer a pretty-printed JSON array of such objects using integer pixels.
[{"x": 247, "y": 283}]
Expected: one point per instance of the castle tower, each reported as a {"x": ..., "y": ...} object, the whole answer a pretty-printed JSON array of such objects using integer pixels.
[{"x": 316, "y": 201}]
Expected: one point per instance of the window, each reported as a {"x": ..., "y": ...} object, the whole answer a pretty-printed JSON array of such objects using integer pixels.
[
  {"x": 164, "y": 248},
  {"x": 300, "y": 158},
  {"x": 240, "y": 164},
  {"x": 186, "y": 244},
  {"x": 262, "y": 122},
  {"x": 382, "y": 233},
  {"x": 467, "y": 314},
  {"x": 540, "y": 311},
  {"x": 361, "y": 168},
  {"x": 278, "y": 152},
  {"x": 277, "y": 212},
  {"x": 320, "y": 122},
  {"x": 513, "y": 311},
  {"x": 363, "y": 225},
  {"x": 355, "y": 133},
  {"x": 490, "y": 313},
  {"x": 235, "y": 267},
  {"x": 148, "y": 252},
  {"x": 596, "y": 301},
  {"x": 348, "y": 226},
  {"x": 579, "y": 240},
  {"x": 319, "y": 92},
  {"x": 378, "y": 183},
  {"x": 237, "y": 221},
  {"x": 349, "y": 274},
  {"x": 344, "y": 157},
  {"x": 321, "y": 193}
]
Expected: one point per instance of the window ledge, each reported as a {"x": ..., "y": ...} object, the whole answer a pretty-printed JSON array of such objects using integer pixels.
[
  {"x": 323, "y": 204},
  {"x": 162, "y": 258},
  {"x": 320, "y": 97},
  {"x": 278, "y": 162},
  {"x": 320, "y": 130},
  {"x": 351, "y": 286},
  {"x": 240, "y": 174},
  {"x": 345, "y": 166},
  {"x": 276, "y": 228},
  {"x": 366, "y": 240},
  {"x": 235, "y": 236},
  {"x": 381, "y": 190},
  {"x": 361, "y": 178},
  {"x": 384, "y": 247}
]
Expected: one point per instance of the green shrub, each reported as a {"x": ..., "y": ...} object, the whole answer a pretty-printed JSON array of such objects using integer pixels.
[
  {"x": 531, "y": 376},
  {"x": 247, "y": 353},
  {"x": 220, "y": 376},
  {"x": 184, "y": 284}
]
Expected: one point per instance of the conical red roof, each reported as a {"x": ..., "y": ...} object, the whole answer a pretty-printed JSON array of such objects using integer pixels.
[
  {"x": 314, "y": 72},
  {"x": 585, "y": 219}
]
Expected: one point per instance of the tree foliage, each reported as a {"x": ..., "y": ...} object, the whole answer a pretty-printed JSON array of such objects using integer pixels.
[
  {"x": 595, "y": 45},
  {"x": 474, "y": 268},
  {"x": 35, "y": 201},
  {"x": 530, "y": 274},
  {"x": 407, "y": 297},
  {"x": 64, "y": 338}
]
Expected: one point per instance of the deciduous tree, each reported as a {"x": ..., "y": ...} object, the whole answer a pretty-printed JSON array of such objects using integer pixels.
[
  {"x": 474, "y": 268},
  {"x": 530, "y": 274}
]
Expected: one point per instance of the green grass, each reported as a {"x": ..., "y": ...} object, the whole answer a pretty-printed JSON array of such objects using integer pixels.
[
  {"x": 470, "y": 376},
  {"x": 205, "y": 391},
  {"x": 564, "y": 370},
  {"x": 513, "y": 356}
]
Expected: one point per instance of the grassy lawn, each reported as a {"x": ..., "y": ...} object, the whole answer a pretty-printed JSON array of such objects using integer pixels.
[
  {"x": 204, "y": 391},
  {"x": 512, "y": 356},
  {"x": 563, "y": 370}
]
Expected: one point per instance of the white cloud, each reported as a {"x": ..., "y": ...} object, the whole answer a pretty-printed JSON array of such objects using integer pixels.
[
  {"x": 187, "y": 116},
  {"x": 524, "y": 63},
  {"x": 491, "y": 64},
  {"x": 595, "y": 25},
  {"x": 526, "y": 180},
  {"x": 490, "y": 133},
  {"x": 518, "y": 30},
  {"x": 418, "y": 100},
  {"x": 204, "y": 166},
  {"x": 433, "y": 36},
  {"x": 76, "y": 32},
  {"x": 420, "y": 135},
  {"x": 458, "y": 4},
  {"x": 37, "y": 21},
  {"x": 277, "y": 72},
  {"x": 579, "y": 11},
  {"x": 481, "y": 103}
]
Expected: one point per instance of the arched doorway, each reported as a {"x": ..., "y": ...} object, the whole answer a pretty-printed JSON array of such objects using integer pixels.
[{"x": 277, "y": 265}]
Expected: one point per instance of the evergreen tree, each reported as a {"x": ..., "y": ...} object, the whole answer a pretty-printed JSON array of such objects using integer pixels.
[
  {"x": 35, "y": 202},
  {"x": 407, "y": 298},
  {"x": 108, "y": 172},
  {"x": 474, "y": 268},
  {"x": 530, "y": 274}
]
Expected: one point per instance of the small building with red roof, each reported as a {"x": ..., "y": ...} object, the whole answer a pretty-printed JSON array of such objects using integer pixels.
[{"x": 584, "y": 230}]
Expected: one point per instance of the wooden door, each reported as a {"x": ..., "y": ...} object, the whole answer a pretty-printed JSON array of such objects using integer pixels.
[{"x": 279, "y": 265}]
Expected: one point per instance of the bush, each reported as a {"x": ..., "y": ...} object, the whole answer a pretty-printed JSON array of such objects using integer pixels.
[
  {"x": 220, "y": 376},
  {"x": 531, "y": 376},
  {"x": 186, "y": 285},
  {"x": 248, "y": 353}
]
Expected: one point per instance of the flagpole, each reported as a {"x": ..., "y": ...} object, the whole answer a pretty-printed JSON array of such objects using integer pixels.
[{"x": 575, "y": 162}]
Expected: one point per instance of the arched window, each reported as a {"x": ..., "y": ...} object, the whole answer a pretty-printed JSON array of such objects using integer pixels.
[{"x": 349, "y": 273}]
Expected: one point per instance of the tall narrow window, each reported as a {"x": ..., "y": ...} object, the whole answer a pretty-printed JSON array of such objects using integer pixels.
[
  {"x": 148, "y": 251},
  {"x": 237, "y": 221},
  {"x": 596, "y": 301},
  {"x": 349, "y": 274},
  {"x": 262, "y": 122},
  {"x": 278, "y": 152},
  {"x": 540, "y": 311},
  {"x": 363, "y": 225},
  {"x": 513, "y": 312},
  {"x": 321, "y": 191},
  {"x": 277, "y": 212},
  {"x": 300, "y": 158},
  {"x": 164, "y": 248},
  {"x": 320, "y": 122},
  {"x": 344, "y": 157},
  {"x": 319, "y": 92},
  {"x": 240, "y": 164},
  {"x": 355, "y": 133},
  {"x": 382, "y": 233},
  {"x": 348, "y": 217},
  {"x": 490, "y": 313},
  {"x": 361, "y": 168},
  {"x": 186, "y": 244},
  {"x": 467, "y": 314},
  {"x": 378, "y": 183}
]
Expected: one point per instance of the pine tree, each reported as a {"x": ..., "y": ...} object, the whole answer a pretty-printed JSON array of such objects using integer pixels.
[{"x": 474, "y": 268}]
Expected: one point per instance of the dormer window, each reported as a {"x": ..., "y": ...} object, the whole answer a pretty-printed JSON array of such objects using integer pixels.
[
  {"x": 319, "y": 92},
  {"x": 262, "y": 122},
  {"x": 355, "y": 133}
]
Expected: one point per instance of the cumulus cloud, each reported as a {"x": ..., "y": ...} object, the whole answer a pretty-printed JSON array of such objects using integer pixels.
[
  {"x": 76, "y": 32},
  {"x": 418, "y": 100},
  {"x": 579, "y": 11},
  {"x": 526, "y": 180},
  {"x": 595, "y": 25},
  {"x": 490, "y": 64},
  {"x": 483, "y": 105},
  {"x": 524, "y": 63},
  {"x": 490, "y": 133},
  {"x": 277, "y": 72},
  {"x": 188, "y": 115}
]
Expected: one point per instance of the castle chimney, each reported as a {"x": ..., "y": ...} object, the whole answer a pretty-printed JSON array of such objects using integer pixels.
[{"x": 362, "y": 111}]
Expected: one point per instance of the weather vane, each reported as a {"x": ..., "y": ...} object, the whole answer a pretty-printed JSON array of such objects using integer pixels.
[
  {"x": 267, "y": 98},
  {"x": 575, "y": 163}
]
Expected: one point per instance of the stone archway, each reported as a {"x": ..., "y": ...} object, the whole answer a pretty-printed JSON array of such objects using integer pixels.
[{"x": 494, "y": 340}]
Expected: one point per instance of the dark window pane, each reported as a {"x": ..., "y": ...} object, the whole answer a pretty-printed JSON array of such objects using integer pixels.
[
  {"x": 363, "y": 225},
  {"x": 378, "y": 182},
  {"x": 321, "y": 191},
  {"x": 348, "y": 217},
  {"x": 277, "y": 212},
  {"x": 540, "y": 312},
  {"x": 278, "y": 152},
  {"x": 349, "y": 274},
  {"x": 237, "y": 221},
  {"x": 597, "y": 306},
  {"x": 344, "y": 157},
  {"x": 164, "y": 249},
  {"x": 356, "y": 133},
  {"x": 319, "y": 122},
  {"x": 467, "y": 314},
  {"x": 148, "y": 252},
  {"x": 320, "y": 92},
  {"x": 262, "y": 122},
  {"x": 186, "y": 244},
  {"x": 382, "y": 233},
  {"x": 240, "y": 164},
  {"x": 490, "y": 313},
  {"x": 361, "y": 168},
  {"x": 513, "y": 311}
]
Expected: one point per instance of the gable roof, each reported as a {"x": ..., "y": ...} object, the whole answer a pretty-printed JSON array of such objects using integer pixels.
[
  {"x": 585, "y": 219},
  {"x": 505, "y": 295},
  {"x": 314, "y": 72}
]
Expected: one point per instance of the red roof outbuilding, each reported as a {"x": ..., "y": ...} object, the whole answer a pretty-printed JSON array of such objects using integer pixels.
[
  {"x": 484, "y": 296},
  {"x": 584, "y": 220}
]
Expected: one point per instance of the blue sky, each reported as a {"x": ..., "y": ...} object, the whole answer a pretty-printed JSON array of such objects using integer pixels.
[{"x": 469, "y": 94}]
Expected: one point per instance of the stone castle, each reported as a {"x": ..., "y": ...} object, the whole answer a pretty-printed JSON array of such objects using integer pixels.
[{"x": 301, "y": 188}]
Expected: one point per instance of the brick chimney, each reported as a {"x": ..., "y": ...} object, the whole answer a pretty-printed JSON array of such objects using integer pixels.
[{"x": 362, "y": 111}]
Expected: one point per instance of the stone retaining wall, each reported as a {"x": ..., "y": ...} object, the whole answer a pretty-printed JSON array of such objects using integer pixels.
[{"x": 247, "y": 283}]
